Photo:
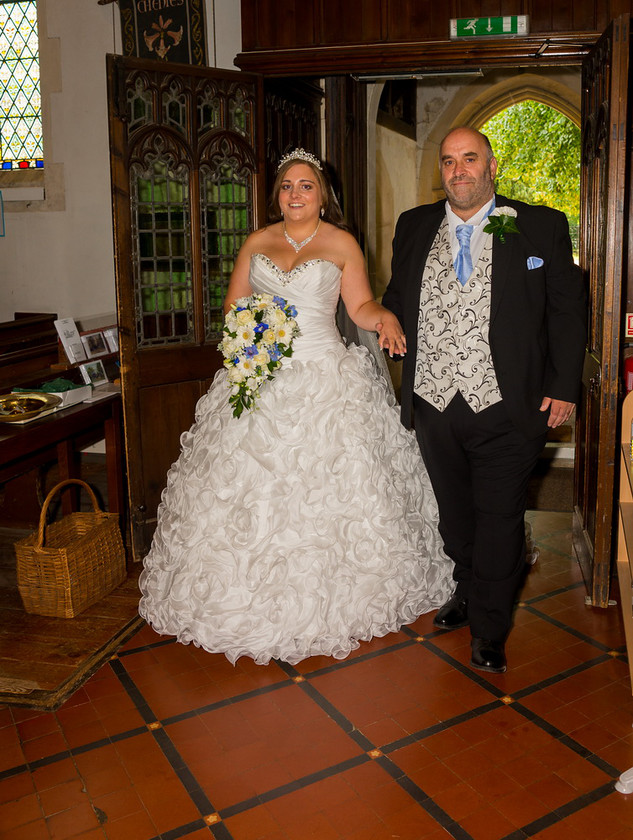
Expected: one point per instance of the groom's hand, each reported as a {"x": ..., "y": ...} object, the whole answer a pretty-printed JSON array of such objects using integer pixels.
[{"x": 559, "y": 411}]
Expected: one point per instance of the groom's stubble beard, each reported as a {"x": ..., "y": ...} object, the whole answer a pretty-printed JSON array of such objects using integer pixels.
[{"x": 481, "y": 191}]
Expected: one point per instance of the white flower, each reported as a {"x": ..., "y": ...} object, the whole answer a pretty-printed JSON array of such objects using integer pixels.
[
  {"x": 278, "y": 316},
  {"x": 504, "y": 211},
  {"x": 245, "y": 317},
  {"x": 283, "y": 334},
  {"x": 245, "y": 336},
  {"x": 246, "y": 367},
  {"x": 229, "y": 348},
  {"x": 230, "y": 321},
  {"x": 262, "y": 358},
  {"x": 234, "y": 375}
]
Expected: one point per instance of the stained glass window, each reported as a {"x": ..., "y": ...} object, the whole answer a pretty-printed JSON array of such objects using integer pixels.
[
  {"x": 226, "y": 209},
  {"x": 20, "y": 100},
  {"x": 161, "y": 252}
]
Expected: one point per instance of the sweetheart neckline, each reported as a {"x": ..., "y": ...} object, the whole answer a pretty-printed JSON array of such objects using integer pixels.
[{"x": 295, "y": 267}]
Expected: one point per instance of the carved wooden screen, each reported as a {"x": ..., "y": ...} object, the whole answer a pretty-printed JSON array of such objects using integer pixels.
[
  {"x": 604, "y": 234},
  {"x": 186, "y": 177},
  {"x": 292, "y": 118}
]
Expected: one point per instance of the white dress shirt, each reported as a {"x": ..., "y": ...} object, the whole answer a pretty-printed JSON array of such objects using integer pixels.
[{"x": 478, "y": 221}]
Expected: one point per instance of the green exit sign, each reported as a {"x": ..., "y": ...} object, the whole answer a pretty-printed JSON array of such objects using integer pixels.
[{"x": 489, "y": 27}]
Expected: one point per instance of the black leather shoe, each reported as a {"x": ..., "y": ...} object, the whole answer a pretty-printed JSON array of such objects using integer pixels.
[
  {"x": 488, "y": 656},
  {"x": 453, "y": 614}
]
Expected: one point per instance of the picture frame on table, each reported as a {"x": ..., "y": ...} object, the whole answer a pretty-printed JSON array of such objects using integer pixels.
[
  {"x": 70, "y": 339},
  {"x": 111, "y": 335},
  {"x": 94, "y": 344},
  {"x": 93, "y": 373}
]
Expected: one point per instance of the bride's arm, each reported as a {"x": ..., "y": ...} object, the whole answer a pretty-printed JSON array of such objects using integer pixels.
[
  {"x": 363, "y": 309},
  {"x": 239, "y": 284}
]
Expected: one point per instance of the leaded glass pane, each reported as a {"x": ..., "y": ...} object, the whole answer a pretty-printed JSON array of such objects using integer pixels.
[
  {"x": 226, "y": 199},
  {"x": 209, "y": 112},
  {"x": 20, "y": 101},
  {"x": 162, "y": 254},
  {"x": 139, "y": 106},
  {"x": 240, "y": 114},
  {"x": 175, "y": 108}
]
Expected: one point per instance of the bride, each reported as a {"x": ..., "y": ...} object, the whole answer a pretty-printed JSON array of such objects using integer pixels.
[{"x": 307, "y": 525}]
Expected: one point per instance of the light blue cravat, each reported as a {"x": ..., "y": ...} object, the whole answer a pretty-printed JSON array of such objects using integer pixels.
[{"x": 463, "y": 263}]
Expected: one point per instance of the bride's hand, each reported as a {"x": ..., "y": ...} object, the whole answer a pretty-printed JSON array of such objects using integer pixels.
[{"x": 390, "y": 335}]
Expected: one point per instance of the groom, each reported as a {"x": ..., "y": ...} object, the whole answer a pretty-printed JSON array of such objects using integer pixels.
[{"x": 494, "y": 313}]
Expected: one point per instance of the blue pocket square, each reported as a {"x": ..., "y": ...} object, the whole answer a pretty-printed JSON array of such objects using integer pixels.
[{"x": 534, "y": 262}]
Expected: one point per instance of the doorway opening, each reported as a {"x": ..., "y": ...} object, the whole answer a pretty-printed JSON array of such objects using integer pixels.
[
  {"x": 404, "y": 171},
  {"x": 538, "y": 151},
  {"x": 403, "y": 168}
]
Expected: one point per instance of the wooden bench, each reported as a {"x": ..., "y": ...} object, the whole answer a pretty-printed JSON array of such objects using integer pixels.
[{"x": 28, "y": 349}]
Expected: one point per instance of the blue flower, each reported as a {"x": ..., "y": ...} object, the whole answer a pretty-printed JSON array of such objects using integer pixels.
[
  {"x": 261, "y": 327},
  {"x": 279, "y": 301},
  {"x": 251, "y": 351},
  {"x": 275, "y": 353},
  {"x": 291, "y": 311}
]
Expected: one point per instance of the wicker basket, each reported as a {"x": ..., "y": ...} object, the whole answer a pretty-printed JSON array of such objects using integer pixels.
[{"x": 82, "y": 561}]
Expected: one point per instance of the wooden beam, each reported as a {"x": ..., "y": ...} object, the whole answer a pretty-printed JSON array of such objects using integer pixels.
[{"x": 415, "y": 57}]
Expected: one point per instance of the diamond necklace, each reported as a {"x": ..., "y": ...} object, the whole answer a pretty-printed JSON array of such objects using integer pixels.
[{"x": 299, "y": 245}]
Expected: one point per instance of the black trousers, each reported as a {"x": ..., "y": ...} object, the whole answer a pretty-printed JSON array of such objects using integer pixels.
[{"x": 479, "y": 466}]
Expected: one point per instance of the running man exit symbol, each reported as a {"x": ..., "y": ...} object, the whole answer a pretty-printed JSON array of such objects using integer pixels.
[{"x": 489, "y": 27}]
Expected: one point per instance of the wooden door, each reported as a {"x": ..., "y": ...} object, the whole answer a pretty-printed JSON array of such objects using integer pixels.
[
  {"x": 187, "y": 186},
  {"x": 346, "y": 148},
  {"x": 193, "y": 155},
  {"x": 605, "y": 176}
]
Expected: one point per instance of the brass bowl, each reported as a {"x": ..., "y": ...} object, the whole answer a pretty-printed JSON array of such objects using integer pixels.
[{"x": 15, "y": 408}]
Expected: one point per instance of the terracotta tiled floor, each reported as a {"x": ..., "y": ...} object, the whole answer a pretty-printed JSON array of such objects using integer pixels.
[{"x": 401, "y": 741}]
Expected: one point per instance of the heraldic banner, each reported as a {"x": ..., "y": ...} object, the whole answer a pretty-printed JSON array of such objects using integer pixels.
[{"x": 166, "y": 30}]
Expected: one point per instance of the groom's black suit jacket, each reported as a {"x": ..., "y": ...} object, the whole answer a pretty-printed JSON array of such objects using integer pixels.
[{"x": 537, "y": 316}]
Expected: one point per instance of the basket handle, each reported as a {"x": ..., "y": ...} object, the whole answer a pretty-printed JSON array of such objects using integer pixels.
[{"x": 48, "y": 499}]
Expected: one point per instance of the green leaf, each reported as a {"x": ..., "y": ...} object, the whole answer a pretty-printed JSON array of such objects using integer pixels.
[{"x": 500, "y": 225}]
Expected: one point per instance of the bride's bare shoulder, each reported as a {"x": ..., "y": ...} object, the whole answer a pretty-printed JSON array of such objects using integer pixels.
[
  {"x": 343, "y": 242},
  {"x": 268, "y": 233}
]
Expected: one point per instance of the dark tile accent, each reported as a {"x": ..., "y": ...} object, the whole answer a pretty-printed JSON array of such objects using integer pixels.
[{"x": 362, "y": 765}]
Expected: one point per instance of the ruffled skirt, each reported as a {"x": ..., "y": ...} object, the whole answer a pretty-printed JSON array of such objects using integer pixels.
[{"x": 301, "y": 528}]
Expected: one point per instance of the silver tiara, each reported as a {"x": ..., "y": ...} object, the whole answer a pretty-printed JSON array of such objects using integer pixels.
[{"x": 300, "y": 154}]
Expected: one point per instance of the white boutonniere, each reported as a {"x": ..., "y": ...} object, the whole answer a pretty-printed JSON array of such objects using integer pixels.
[{"x": 501, "y": 221}]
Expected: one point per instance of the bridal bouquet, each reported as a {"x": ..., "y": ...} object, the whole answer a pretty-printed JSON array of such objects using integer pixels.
[{"x": 258, "y": 333}]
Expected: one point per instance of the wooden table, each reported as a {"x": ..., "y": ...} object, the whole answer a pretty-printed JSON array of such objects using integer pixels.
[{"x": 60, "y": 437}]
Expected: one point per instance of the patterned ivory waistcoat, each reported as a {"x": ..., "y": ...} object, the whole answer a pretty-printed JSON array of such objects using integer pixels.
[{"x": 453, "y": 347}]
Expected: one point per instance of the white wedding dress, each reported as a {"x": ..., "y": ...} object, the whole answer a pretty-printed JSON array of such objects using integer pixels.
[{"x": 307, "y": 525}]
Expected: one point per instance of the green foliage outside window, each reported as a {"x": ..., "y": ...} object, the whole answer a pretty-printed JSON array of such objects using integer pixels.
[{"x": 538, "y": 150}]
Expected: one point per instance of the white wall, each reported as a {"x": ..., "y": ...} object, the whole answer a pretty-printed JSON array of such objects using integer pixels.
[
  {"x": 57, "y": 256},
  {"x": 396, "y": 191}
]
